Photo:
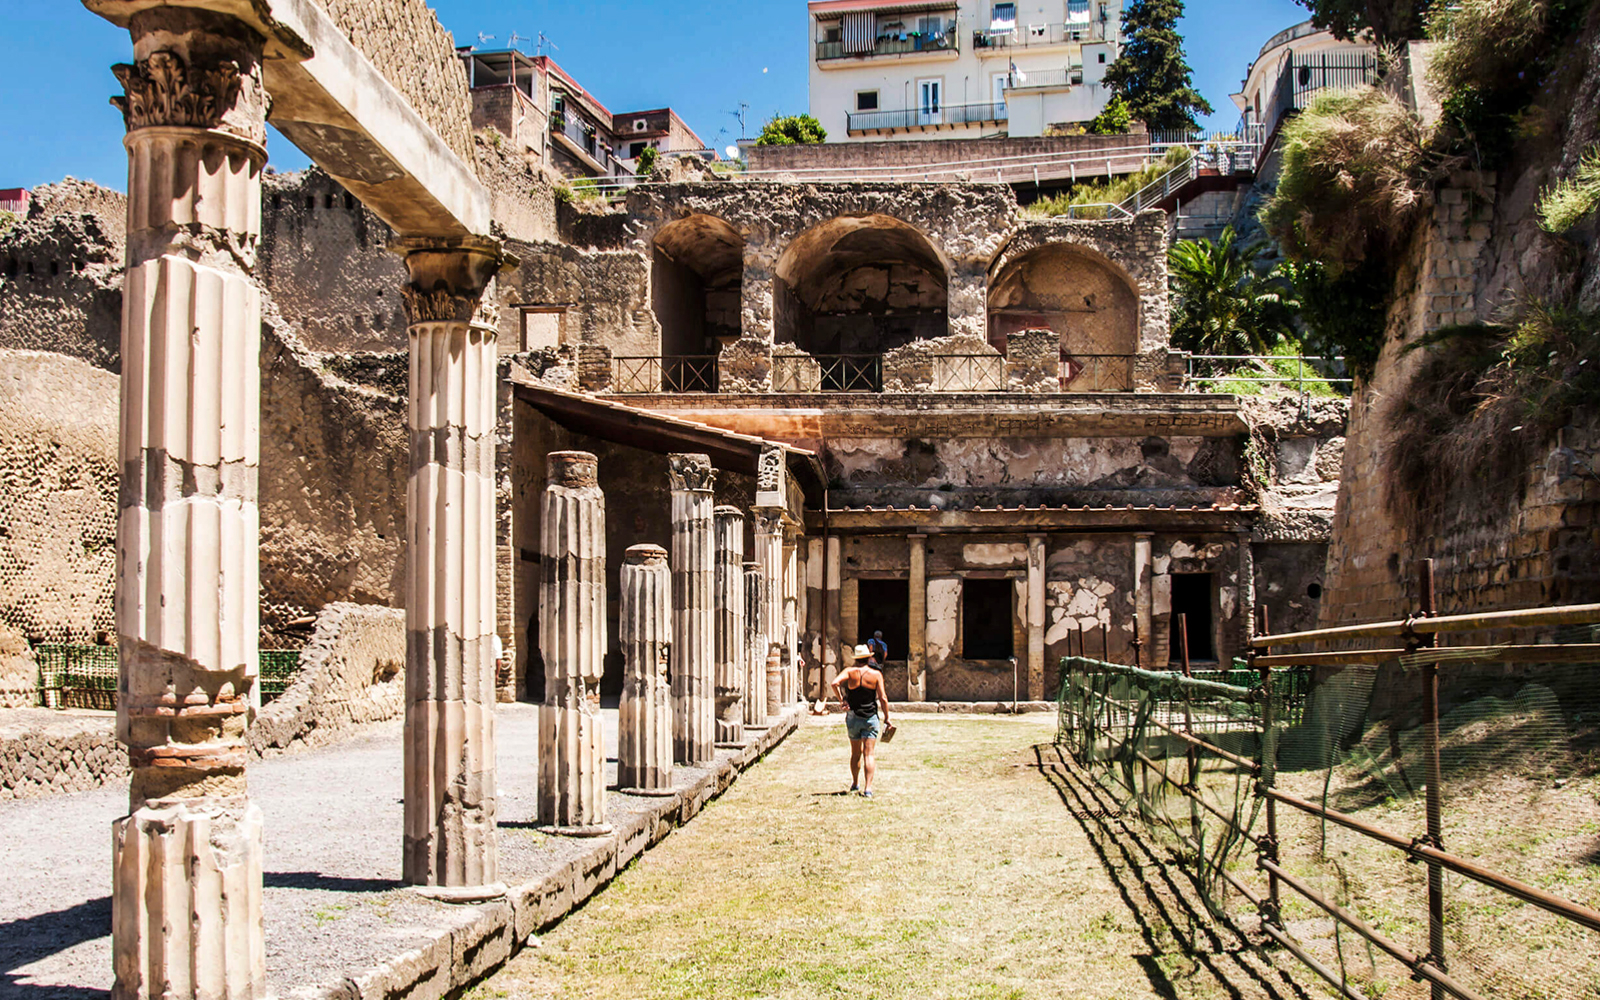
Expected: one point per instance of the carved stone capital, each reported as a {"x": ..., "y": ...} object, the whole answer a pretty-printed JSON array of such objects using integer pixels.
[
  {"x": 691, "y": 472},
  {"x": 769, "y": 520},
  {"x": 195, "y": 69},
  {"x": 573, "y": 469},
  {"x": 447, "y": 283}
]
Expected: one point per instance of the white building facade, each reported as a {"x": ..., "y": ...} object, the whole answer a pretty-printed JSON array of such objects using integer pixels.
[{"x": 959, "y": 68}]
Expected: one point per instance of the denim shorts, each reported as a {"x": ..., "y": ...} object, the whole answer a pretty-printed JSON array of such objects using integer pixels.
[{"x": 869, "y": 728}]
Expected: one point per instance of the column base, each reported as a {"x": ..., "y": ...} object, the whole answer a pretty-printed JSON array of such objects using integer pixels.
[
  {"x": 593, "y": 830},
  {"x": 461, "y": 893}
]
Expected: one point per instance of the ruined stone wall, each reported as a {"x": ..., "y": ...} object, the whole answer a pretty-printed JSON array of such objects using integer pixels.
[
  {"x": 48, "y": 752},
  {"x": 408, "y": 45},
  {"x": 58, "y": 508},
  {"x": 352, "y": 672},
  {"x": 334, "y": 464},
  {"x": 602, "y": 295},
  {"x": 325, "y": 259},
  {"x": 522, "y": 201},
  {"x": 61, "y": 274}
]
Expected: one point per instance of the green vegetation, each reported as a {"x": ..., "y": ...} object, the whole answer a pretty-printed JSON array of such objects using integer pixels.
[
  {"x": 1151, "y": 72},
  {"x": 1563, "y": 207},
  {"x": 791, "y": 130},
  {"x": 7, "y": 221},
  {"x": 1225, "y": 300},
  {"x": 1390, "y": 21},
  {"x": 1112, "y": 192},
  {"x": 1115, "y": 119},
  {"x": 579, "y": 189},
  {"x": 647, "y": 161}
]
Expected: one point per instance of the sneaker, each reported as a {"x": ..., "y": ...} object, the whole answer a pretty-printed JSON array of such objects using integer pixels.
[
  {"x": 866, "y": 795},
  {"x": 855, "y": 788}
]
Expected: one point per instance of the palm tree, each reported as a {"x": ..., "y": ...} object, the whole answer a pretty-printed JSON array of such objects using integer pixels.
[{"x": 1225, "y": 300}]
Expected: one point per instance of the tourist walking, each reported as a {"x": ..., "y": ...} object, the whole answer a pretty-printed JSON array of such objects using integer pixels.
[
  {"x": 860, "y": 691},
  {"x": 879, "y": 648}
]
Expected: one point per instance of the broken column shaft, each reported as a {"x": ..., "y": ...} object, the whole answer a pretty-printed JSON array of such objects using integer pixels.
[
  {"x": 755, "y": 653},
  {"x": 572, "y": 636},
  {"x": 644, "y": 726},
  {"x": 769, "y": 556},
  {"x": 450, "y": 572},
  {"x": 693, "y": 584},
  {"x": 730, "y": 637},
  {"x": 186, "y": 891}
]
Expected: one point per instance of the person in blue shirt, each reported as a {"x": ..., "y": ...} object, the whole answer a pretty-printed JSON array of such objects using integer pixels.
[{"x": 879, "y": 648}]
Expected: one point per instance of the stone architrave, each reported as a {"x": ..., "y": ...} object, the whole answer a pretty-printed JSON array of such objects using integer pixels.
[
  {"x": 769, "y": 556},
  {"x": 693, "y": 609},
  {"x": 450, "y": 807},
  {"x": 572, "y": 635},
  {"x": 730, "y": 637},
  {"x": 755, "y": 655},
  {"x": 644, "y": 726},
  {"x": 187, "y": 883}
]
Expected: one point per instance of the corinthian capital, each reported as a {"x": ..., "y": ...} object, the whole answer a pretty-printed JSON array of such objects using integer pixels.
[
  {"x": 447, "y": 283},
  {"x": 691, "y": 472}
]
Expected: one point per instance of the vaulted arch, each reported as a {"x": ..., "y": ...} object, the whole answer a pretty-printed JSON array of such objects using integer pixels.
[{"x": 696, "y": 280}]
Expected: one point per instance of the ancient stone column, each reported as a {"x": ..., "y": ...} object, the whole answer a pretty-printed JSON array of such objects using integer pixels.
[
  {"x": 730, "y": 637},
  {"x": 1035, "y": 618},
  {"x": 693, "y": 609},
  {"x": 186, "y": 888},
  {"x": 769, "y": 556},
  {"x": 1143, "y": 599},
  {"x": 755, "y": 655},
  {"x": 791, "y": 623},
  {"x": 644, "y": 728},
  {"x": 450, "y": 573},
  {"x": 572, "y": 636},
  {"x": 917, "y": 621}
]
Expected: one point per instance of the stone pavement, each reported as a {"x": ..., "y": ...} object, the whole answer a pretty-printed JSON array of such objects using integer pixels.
[{"x": 334, "y": 905}]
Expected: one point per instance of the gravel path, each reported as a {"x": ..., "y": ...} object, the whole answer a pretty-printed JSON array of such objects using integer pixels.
[{"x": 333, "y": 902}]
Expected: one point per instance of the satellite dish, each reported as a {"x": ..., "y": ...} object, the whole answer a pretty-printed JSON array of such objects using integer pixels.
[{"x": 733, "y": 152}]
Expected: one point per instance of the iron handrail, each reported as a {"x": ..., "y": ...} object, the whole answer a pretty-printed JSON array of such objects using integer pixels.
[
  {"x": 664, "y": 372},
  {"x": 933, "y": 117}
]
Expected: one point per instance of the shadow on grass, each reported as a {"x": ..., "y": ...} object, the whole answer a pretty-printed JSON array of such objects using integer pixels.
[
  {"x": 1158, "y": 891},
  {"x": 32, "y": 939}
]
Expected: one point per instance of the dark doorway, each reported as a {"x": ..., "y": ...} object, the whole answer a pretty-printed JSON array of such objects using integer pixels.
[
  {"x": 986, "y": 619},
  {"x": 1191, "y": 597},
  {"x": 535, "y": 676},
  {"x": 885, "y": 606}
]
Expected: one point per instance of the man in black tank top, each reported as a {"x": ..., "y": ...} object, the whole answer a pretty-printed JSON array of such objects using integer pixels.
[{"x": 860, "y": 690}]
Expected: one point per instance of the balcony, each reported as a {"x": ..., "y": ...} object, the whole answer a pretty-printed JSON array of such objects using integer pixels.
[
  {"x": 926, "y": 119},
  {"x": 1028, "y": 36},
  {"x": 584, "y": 142},
  {"x": 942, "y": 41},
  {"x": 1046, "y": 79}
]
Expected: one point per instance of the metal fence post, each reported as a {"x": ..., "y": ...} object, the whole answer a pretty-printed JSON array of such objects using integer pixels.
[
  {"x": 1435, "y": 789},
  {"x": 1268, "y": 847}
]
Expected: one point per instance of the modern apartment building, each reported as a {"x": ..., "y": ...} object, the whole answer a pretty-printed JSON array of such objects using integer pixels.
[
  {"x": 550, "y": 118},
  {"x": 883, "y": 69}
]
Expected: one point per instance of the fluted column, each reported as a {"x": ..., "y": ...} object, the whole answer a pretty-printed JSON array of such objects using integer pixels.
[
  {"x": 730, "y": 637},
  {"x": 572, "y": 636},
  {"x": 791, "y": 623},
  {"x": 450, "y": 844},
  {"x": 186, "y": 889},
  {"x": 693, "y": 626},
  {"x": 755, "y": 656},
  {"x": 769, "y": 556},
  {"x": 644, "y": 727}
]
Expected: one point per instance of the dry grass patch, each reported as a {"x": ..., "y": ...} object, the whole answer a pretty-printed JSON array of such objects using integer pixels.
[{"x": 971, "y": 875}]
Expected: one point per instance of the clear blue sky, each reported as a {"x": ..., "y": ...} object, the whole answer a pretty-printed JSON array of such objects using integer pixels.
[{"x": 702, "y": 59}]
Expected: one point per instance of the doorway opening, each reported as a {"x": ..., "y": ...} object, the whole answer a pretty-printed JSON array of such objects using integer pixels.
[
  {"x": 885, "y": 606},
  {"x": 987, "y": 615},
  {"x": 1192, "y": 598}
]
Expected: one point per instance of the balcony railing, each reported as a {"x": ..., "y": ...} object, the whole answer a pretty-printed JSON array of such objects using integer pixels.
[
  {"x": 1025, "y": 36},
  {"x": 1044, "y": 79},
  {"x": 1302, "y": 78},
  {"x": 899, "y": 43},
  {"x": 827, "y": 373},
  {"x": 945, "y": 115},
  {"x": 669, "y": 373},
  {"x": 969, "y": 373},
  {"x": 1097, "y": 373}
]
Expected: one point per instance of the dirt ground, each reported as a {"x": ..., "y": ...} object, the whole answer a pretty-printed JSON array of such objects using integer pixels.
[{"x": 983, "y": 869}]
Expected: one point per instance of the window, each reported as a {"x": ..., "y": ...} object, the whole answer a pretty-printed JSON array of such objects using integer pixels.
[
  {"x": 1005, "y": 17},
  {"x": 541, "y": 327},
  {"x": 1102, "y": 58},
  {"x": 1191, "y": 599},
  {"x": 885, "y": 606},
  {"x": 866, "y": 100},
  {"x": 986, "y": 619},
  {"x": 831, "y": 33},
  {"x": 639, "y": 124}
]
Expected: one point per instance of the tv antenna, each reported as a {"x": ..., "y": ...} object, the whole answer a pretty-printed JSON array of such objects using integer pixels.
[
  {"x": 515, "y": 38},
  {"x": 744, "y": 108},
  {"x": 482, "y": 38},
  {"x": 543, "y": 41}
]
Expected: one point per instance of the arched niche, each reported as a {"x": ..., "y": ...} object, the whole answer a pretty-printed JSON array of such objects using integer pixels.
[
  {"x": 860, "y": 285},
  {"x": 696, "y": 279},
  {"x": 1090, "y": 302}
]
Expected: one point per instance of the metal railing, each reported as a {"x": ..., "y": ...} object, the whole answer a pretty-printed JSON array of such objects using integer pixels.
[
  {"x": 1302, "y": 78},
  {"x": 969, "y": 373},
  {"x": 664, "y": 373},
  {"x": 898, "y": 44},
  {"x": 1097, "y": 373},
  {"x": 1043, "y": 79},
  {"x": 1032, "y": 35},
  {"x": 944, "y": 114},
  {"x": 827, "y": 373},
  {"x": 1213, "y": 369}
]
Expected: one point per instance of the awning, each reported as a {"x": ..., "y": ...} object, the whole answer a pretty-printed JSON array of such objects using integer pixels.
[
  {"x": 827, "y": 7},
  {"x": 620, "y": 423}
]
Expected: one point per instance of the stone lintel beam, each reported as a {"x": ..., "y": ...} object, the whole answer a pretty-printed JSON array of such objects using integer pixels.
[
  {"x": 1219, "y": 520},
  {"x": 329, "y": 100}
]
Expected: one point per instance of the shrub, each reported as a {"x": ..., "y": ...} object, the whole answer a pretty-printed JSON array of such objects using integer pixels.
[
  {"x": 1110, "y": 192},
  {"x": 647, "y": 161},
  {"x": 1225, "y": 300},
  {"x": 1342, "y": 315},
  {"x": 1485, "y": 43},
  {"x": 1356, "y": 173},
  {"x": 1115, "y": 119},
  {"x": 791, "y": 130},
  {"x": 1568, "y": 203},
  {"x": 7, "y": 220}
]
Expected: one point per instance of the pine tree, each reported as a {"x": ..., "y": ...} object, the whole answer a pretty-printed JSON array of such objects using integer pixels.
[{"x": 1150, "y": 72}]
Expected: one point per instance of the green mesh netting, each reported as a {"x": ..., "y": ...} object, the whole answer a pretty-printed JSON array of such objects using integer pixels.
[{"x": 85, "y": 676}]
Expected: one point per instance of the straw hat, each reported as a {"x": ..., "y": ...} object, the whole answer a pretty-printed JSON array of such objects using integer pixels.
[{"x": 862, "y": 652}]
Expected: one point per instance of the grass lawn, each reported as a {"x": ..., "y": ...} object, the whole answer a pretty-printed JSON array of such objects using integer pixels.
[{"x": 983, "y": 869}]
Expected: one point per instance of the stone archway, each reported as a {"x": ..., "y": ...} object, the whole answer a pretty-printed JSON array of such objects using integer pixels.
[
  {"x": 696, "y": 280},
  {"x": 1089, "y": 302}
]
